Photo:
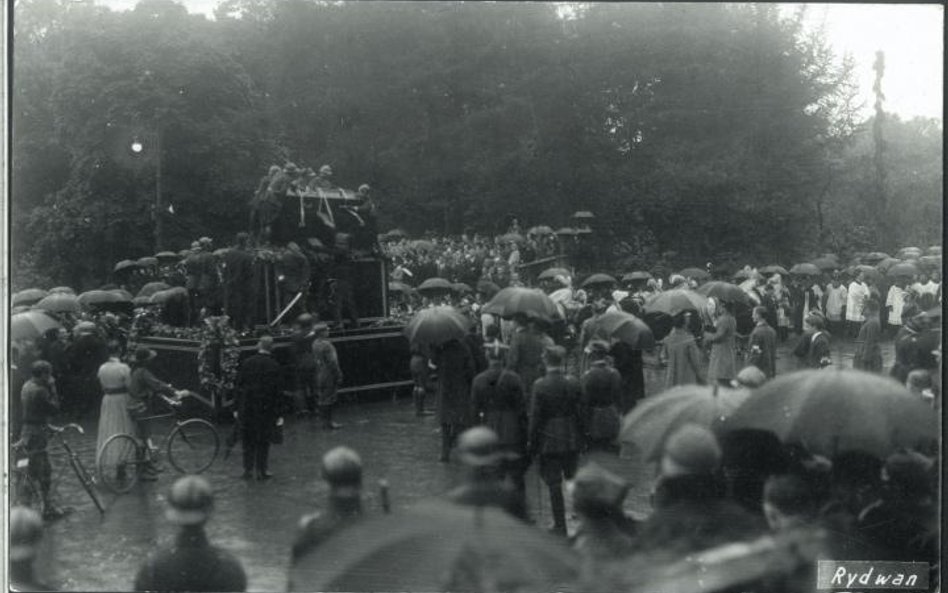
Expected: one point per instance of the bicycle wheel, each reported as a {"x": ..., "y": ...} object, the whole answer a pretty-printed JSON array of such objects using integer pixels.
[
  {"x": 193, "y": 446},
  {"x": 118, "y": 463},
  {"x": 86, "y": 480}
]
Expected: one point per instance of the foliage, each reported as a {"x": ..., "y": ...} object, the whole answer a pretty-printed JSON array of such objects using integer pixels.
[{"x": 218, "y": 340}]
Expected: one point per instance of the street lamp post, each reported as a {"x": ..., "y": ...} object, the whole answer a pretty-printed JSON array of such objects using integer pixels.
[{"x": 137, "y": 147}]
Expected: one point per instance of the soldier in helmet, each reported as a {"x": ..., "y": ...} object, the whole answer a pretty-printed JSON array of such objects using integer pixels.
[
  {"x": 26, "y": 531},
  {"x": 480, "y": 451},
  {"x": 191, "y": 563},
  {"x": 342, "y": 471}
]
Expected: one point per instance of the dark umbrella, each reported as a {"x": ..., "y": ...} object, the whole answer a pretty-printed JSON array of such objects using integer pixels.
[
  {"x": 551, "y": 273},
  {"x": 399, "y": 287},
  {"x": 625, "y": 327},
  {"x": 163, "y": 296},
  {"x": 875, "y": 256},
  {"x": 599, "y": 280},
  {"x": 584, "y": 231},
  {"x": 62, "y": 290},
  {"x": 59, "y": 302},
  {"x": 141, "y": 301},
  {"x": 774, "y": 269},
  {"x": 825, "y": 263},
  {"x": 930, "y": 261},
  {"x": 434, "y": 286},
  {"x": 461, "y": 288},
  {"x": 124, "y": 295},
  {"x": 725, "y": 291},
  {"x": 656, "y": 418},
  {"x": 511, "y": 238},
  {"x": 437, "y": 325},
  {"x": 147, "y": 261},
  {"x": 540, "y": 230},
  {"x": 637, "y": 275},
  {"x": 868, "y": 270},
  {"x": 184, "y": 253},
  {"x": 805, "y": 269},
  {"x": 902, "y": 269},
  {"x": 743, "y": 274},
  {"x": 453, "y": 548},
  {"x": 30, "y": 325},
  {"x": 125, "y": 264},
  {"x": 153, "y": 287},
  {"x": 907, "y": 251},
  {"x": 830, "y": 411},
  {"x": 695, "y": 273},
  {"x": 887, "y": 263},
  {"x": 167, "y": 256},
  {"x": 566, "y": 231},
  {"x": 29, "y": 296},
  {"x": 515, "y": 300},
  {"x": 487, "y": 288},
  {"x": 98, "y": 297},
  {"x": 583, "y": 215},
  {"x": 673, "y": 302}
]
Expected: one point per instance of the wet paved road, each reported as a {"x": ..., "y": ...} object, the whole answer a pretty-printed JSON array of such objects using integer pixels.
[{"x": 256, "y": 520}]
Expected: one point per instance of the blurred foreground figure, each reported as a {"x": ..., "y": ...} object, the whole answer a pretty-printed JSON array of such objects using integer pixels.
[
  {"x": 604, "y": 532},
  {"x": 480, "y": 451},
  {"x": 191, "y": 563},
  {"x": 26, "y": 531}
]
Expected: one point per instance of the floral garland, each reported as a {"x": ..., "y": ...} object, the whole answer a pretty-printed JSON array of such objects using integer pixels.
[
  {"x": 218, "y": 332},
  {"x": 143, "y": 324}
]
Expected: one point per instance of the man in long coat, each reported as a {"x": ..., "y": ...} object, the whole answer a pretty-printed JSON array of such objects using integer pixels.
[
  {"x": 258, "y": 399},
  {"x": 555, "y": 432},
  {"x": 602, "y": 395},
  {"x": 723, "y": 364},
  {"x": 328, "y": 374},
  {"x": 525, "y": 356},
  {"x": 762, "y": 344},
  {"x": 237, "y": 272},
  {"x": 455, "y": 372}
]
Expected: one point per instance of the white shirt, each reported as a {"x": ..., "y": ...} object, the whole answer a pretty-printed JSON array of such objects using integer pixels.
[
  {"x": 857, "y": 293},
  {"x": 895, "y": 300},
  {"x": 929, "y": 288},
  {"x": 835, "y": 301}
]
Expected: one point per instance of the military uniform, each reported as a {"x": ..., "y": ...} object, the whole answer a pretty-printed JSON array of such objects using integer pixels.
[{"x": 192, "y": 564}]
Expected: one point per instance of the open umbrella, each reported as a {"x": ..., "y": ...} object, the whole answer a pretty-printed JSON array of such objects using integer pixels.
[
  {"x": 566, "y": 231},
  {"x": 725, "y": 291},
  {"x": 624, "y": 327},
  {"x": 515, "y": 300},
  {"x": 887, "y": 263},
  {"x": 487, "y": 288},
  {"x": 511, "y": 238},
  {"x": 30, "y": 325},
  {"x": 551, "y": 273},
  {"x": 695, "y": 273},
  {"x": 934, "y": 250},
  {"x": 437, "y": 325},
  {"x": 397, "y": 233},
  {"x": 167, "y": 256},
  {"x": 98, "y": 297},
  {"x": 221, "y": 251},
  {"x": 875, "y": 256},
  {"x": 147, "y": 261},
  {"x": 584, "y": 231},
  {"x": 930, "y": 261},
  {"x": 461, "y": 288},
  {"x": 831, "y": 411},
  {"x": 540, "y": 230},
  {"x": 583, "y": 215},
  {"x": 30, "y": 296},
  {"x": 434, "y": 286},
  {"x": 902, "y": 269},
  {"x": 423, "y": 245},
  {"x": 805, "y": 269},
  {"x": 637, "y": 275},
  {"x": 59, "y": 302},
  {"x": 599, "y": 280},
  {"x": 153, "y": 287},
  {"x": 62, "y": 290},
  {"x": 399, "y": 287},
  {"x": 124, "y": 295},
  {"x": 438, "y": 546},
  {"x": 655, "y": 418},
  {"x": 163, "y": 296},
  {"x": 142, "y": 301},
  {"x": 125, "y": 264},
  {"x": 826, "y": 263},
  {"x": 907, "y": 251},
  {"x": 673, "y": 302},
  {"x": 774, "y": 269},
  {"x": 184, "y": 253}
]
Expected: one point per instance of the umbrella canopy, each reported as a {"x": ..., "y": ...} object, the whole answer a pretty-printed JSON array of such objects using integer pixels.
[
  {"x": 805, "y": 269},
  {"x": 551, "y": 273},
  {"x": 399, "y": 287},
  {"x": 656, "y": 418},
  {"x": 147, "y": 261},
  {"x": 826, "y": 263},
  {"x": 59, "y": 302},
  {"x": 934, "y": 250},
  {"x": 930, "y": 261},
  {"x": 902, "y": 269},
  {"x": 141, "y": 301},
  {"x": 624, "y": 327},
  {"x": 906, "y": 251},
  {"x": 167, "y": 256},
  {"x": 124, "y": 295},
  {"x": 831, "y": 411},
  {"x": 30, "y": 325},
  {"x": 637, "y": 275},
  {"x": 397, "y": 233},
  {"x": 540, "y": 230},
  {"x": 566, "y": 231},
  {"x": 868, "y": 270},
  {"x": 515, "y": 300},
  {"x": 511, "y": 238},
  {"x": 599, "y": 280},
  {"x": 673, "y": 302},
  {"x": 774, "y": 269},
  {"x": 184, "y": 253},
  {"x": 163, "y": 296},
  {"x": 435, "y": 285},
  {"x": 454, "y": 547},
  {"x": 875, "y": 256},
  {"x": 887, "y": 263},
  {"x": 423, "y": 245},
  {"x": 437, "y": 325},
  {"x": 584, "y": 231},
  {"x": 725, "y": 291},
  {"x": 695, "y": 273},
  {"x": 62, "y": 290},
  {"x": 487, "y": 288},
  {"x": 461, "y": 288},
  {"x": 125, "y": 264},
  {"x": 29, "y": 296},
  {"x": 153, "y": 287},
  {"x": 98, "y": 297},
  {"x": 583, "y": 215}
]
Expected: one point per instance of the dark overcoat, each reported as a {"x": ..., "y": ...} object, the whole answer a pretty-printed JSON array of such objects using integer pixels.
[
  {"x": 455, "y": 373},
  {"x": 497, "y": 394},
  {"x": 191, "y": 564},
  {"x": 762, "y": 349},
  {"x": 259, "y": 384},
  {"x": 556, "y": 414}
]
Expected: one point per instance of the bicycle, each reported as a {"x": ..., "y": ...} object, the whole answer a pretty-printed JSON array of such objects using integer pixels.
[
  {"x": 192, "y": 446},
  {"x": 25, "y": 488}
]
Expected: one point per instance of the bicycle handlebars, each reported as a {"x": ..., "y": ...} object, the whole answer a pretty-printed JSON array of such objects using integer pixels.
[{"x": 72, "y": 425}]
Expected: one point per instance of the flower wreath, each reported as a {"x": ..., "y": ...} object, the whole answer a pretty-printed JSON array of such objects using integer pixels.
[{"x": 217, "y": 331}]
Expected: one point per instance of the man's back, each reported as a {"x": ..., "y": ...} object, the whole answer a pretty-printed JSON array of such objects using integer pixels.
[{"x": 191, "y": 563}]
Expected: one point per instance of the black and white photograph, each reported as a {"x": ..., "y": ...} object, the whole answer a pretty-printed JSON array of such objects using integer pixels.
[{"x": 469, "y": 296}]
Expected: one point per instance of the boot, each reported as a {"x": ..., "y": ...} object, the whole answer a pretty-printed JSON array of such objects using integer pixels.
[
  {"x": 558, "y": 507},
  {"x": 328, "y": 424},
  {"x": 418, "y": 395}
]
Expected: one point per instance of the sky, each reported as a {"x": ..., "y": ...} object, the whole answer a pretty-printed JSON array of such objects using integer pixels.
[{"x": 911, "y": 35}]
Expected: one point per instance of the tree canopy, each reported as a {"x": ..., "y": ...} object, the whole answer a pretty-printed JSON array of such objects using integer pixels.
[{"x": 707, "y": 130}]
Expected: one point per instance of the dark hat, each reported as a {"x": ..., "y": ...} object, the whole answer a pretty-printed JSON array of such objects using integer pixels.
[
  {"x": 595, "y": 486},
  {"x": 554, "y": 356},
  {"x": 143, "y": 354},
  {"x": 479, "y": 447},
  {"x": 342, "y": 468},
  {"x": 190, "y": 501},
  {"x": 694, "y": 449},
  {"x": 306, "y": 320},
  {"x": 26, "y": 531}
]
